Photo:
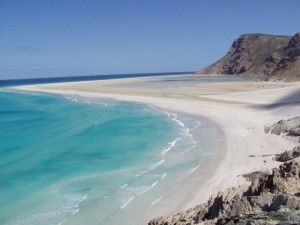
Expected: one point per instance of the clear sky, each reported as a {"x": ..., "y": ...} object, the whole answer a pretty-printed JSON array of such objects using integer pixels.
[{"x": 42, "y": 38}]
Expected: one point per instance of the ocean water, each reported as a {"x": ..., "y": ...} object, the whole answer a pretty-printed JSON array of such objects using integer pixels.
[
  {"x": 72, "y": 160},
  {"x": 15, "y": 82}
]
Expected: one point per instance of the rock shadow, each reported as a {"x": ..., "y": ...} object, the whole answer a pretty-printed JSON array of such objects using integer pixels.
[{"x": 291, "y": 99}]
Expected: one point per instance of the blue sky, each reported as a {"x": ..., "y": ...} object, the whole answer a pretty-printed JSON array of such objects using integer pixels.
[{"x": 42, "y": 38}]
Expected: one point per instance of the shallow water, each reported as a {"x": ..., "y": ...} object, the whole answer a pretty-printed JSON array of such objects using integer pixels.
[
  {"x": 179, "y": 81},
  {"x": 71, "y": 160}
]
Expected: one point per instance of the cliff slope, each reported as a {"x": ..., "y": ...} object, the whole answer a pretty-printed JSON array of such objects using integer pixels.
[{"x": 276, "y": 57}]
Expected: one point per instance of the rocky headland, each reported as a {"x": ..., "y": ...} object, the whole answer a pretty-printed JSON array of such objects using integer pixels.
[
  {"x": 274, "y": 56},
  {"x": 272, "y": 198}
]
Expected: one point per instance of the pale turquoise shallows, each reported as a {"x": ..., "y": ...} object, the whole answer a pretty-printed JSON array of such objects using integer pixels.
[{"x": 71, "y": 160}]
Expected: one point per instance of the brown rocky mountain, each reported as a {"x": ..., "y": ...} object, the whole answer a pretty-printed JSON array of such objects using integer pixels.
[{"x": 276, "y": 57}]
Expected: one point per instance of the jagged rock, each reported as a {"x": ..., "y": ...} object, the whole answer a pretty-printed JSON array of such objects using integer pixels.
[
  {"x": 264, "y": 218},
  {"x": 285, "y": 180},
  {"x": 270, "y": 199},
  {"x": 290, "y": 126},
  {"x": 295, "y": 41},
  {"x": 275, "y": 56},
  {"x": 288, "y": 155}
]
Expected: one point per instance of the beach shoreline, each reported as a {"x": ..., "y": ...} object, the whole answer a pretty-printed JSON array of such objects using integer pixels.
[{"x": 241, "y": 112}]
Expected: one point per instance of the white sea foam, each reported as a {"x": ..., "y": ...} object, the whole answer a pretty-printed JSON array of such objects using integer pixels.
[
  {"x": 152, "y": 167},
  {"x": 152, "y": 106},
  {"x": 156, "y": 201},
  {"x": 188, "y": 150},
  {"x": 76, "y": 211},
  {"x": 76, "y": 198},
  {"x": 187, "y": 130},
  {"x": 198, "y": 124},
  {"x": 126, "y": 202},
  {"x": 155, "y": 165},
  {"x": 194, "y": 169},
  {"x": 149, "y": 188},
  {"x": 61, "y": 222},
  {"x": 87, "y": 101},
  {"x": 173, "y": 117},
  {"x": 170, "y": 145},
  {"x": 179, "y": 122},
  {"x": 123, "y": 186},
  {"x": 141, "y": 190},
  {"x": 139, "y": 174},
  {"x": 72, "y": 202},
  {"x": 71, "y": 98},
  {"x": 163, "y": 176},
  {"x": 189, "y": 173},
  {"x": 74, "y": 99},
  {"x": 100, "y": 103}
]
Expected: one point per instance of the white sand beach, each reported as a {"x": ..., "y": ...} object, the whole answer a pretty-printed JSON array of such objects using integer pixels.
[{"x": 241, "y": 109}]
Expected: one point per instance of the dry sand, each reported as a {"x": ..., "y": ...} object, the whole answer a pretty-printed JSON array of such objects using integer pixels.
[{"x": 241, "y": 109}]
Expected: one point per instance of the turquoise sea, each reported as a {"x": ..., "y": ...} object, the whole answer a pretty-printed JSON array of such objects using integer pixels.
[{"x": 73, "y": 160}]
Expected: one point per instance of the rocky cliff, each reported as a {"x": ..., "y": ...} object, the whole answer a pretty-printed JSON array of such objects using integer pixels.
[{"x": 276, "y": 57}]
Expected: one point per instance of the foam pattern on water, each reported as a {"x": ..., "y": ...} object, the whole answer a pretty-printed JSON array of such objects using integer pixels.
[{"x": 65, "y": 159}]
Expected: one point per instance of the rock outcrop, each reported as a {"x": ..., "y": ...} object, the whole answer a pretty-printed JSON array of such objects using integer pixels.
[
  {"x": 288, "y": 155},
  {"x": 276, "y": 57},
  {"x": 290, "y": 127},
  {"x": 270, "y": 199}
]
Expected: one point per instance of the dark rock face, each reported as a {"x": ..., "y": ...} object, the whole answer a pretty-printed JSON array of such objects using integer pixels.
[
  {"x": 295, "y": 41},
  {"x": 285, "y": 180},
  {"x": 277, "y": 57},
  {"x": 271, "y": 199}
]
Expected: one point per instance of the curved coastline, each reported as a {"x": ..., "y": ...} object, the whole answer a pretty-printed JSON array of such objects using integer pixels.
[
  {"x": 182, "y": 195},
  {"x": 240, "y": 121}
]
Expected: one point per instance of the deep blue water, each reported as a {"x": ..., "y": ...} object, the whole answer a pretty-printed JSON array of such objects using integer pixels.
[{"x": 14, "y": 82}]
